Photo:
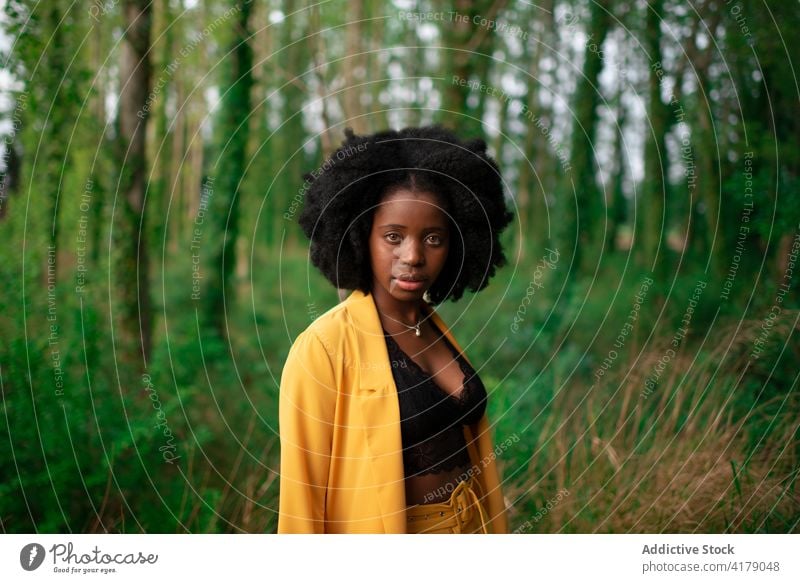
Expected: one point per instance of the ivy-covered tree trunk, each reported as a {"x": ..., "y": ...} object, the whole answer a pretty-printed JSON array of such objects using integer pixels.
[
  {"x": 534, "y": 169},
  {"x": 288, "y": 168},
  {"x": 708, "y": 180},
  {"x": 651, "y": 237},
  {"x": 43, "y": 60},
  {"x": 53, "y": 144},
  {"x": 130, "y": 264},
  {"x": 160, "y": 150},
  {"x": 222, "y": 191},
  {"x": 617, "y": 205},
  {"x": 354, "y": 69},
  {"x": 579, "y": 196},
  {"x": 466, "y": 43},
  {"x": 376, "y": 64}
]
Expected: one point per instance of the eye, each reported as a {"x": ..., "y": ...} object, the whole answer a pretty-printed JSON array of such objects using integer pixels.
[
  {"x": 392, "y": 237},
  {"x": 435, "y": 240}
]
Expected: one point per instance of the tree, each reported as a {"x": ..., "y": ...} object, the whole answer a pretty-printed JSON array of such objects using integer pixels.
[
  {"x": 46, "y": 37},
  {"x": 762, "y": 60},
  {"x": 130, "y": 268},
  {"x": 580, "y": 214},
  {"x": 467, "y": 56},
  {"x": 652, "y": 248},
  {"x": 289, "y": 163},
  {"x": 536, "y": 170},
  {"x": 159, "y": 146},
  {"x": 354, "y": 69},
  {"x": 228, "y": 172},
  {"x": 617, "y": 206}
]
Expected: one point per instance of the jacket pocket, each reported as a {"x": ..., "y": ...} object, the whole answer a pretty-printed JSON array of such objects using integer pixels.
[{"x": 373, "y": 390}]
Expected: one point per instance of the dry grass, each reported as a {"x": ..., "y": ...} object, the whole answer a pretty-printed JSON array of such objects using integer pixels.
[{"x": 679, "y": 460}]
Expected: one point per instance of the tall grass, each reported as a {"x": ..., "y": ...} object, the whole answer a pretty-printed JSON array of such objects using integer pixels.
[{"x": 683, "y": 460}]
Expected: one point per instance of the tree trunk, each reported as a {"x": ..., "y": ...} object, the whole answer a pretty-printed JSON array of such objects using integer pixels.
[
  {"x": 466, "y": 44},
  {"x": 54, "y": 155},
  {"x": 100, "y": 45},
  {"x": 159, "y": 143},
  {"x": 532, "y": 206},
  {"x": 580, "y": 197},
  {"x": 379, "y": 118},
  {"x": 223, "y": 191},
  {"x": 132, "y": 279},
  {"x": 651, "y": 238},
  {"x": 617, "y": 206},
  {"x": 354, "y": 70},
  {"x": 318, "y": 52},
  {"x": 183, "y": 212}
]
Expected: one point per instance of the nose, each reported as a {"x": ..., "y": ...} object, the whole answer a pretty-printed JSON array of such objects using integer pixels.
[{"x": 410, "y": 252}]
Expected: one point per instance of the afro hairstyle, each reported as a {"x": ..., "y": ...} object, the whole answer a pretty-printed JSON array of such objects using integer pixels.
[{"x": 341, "y": 197}]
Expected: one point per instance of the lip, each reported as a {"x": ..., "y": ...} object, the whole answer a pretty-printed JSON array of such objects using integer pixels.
[
  {"x": 410, "y": 282},
  {"x": 410, "y": 277}
]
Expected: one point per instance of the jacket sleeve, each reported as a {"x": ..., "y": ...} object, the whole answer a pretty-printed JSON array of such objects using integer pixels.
[{"x": 307, "y": 404}]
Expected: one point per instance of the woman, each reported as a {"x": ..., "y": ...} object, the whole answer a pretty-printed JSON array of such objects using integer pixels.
[{"x": 383, "y": 420}]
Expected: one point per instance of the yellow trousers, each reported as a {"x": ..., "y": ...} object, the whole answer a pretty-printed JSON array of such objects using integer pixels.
[{"x": 461, "y": 514}]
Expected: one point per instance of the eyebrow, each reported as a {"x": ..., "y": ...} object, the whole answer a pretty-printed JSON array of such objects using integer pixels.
[{"x": 404, "y": 226}]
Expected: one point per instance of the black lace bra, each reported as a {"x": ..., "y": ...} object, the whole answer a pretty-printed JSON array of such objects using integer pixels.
[{"x": 430, "y": 419}]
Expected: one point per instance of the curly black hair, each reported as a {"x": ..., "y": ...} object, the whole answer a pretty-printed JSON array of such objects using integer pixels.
[{"x": 342, "y": 194}]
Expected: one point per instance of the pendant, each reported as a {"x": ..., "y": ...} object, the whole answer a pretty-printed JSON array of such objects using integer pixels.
[{"x": 419, "y": 332}]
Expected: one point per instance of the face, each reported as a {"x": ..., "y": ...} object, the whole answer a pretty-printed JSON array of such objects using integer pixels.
[{"x": 408, "y": 245}]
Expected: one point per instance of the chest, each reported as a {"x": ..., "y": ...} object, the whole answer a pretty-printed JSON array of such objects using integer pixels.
[{"x": 436, "y": 360}]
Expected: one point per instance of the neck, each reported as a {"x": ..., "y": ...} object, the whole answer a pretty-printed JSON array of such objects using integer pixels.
[{"x": 393, "y": 313}]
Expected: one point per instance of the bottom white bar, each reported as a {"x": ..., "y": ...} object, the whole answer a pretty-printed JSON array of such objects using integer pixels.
[{"x": 390, "y": 558}]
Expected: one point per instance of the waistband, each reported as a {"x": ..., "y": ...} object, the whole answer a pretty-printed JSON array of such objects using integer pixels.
[{"x": 461, "y": 510}]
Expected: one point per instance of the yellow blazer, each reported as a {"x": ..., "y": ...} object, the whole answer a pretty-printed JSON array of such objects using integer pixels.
[{"x": 341, "y": 448}]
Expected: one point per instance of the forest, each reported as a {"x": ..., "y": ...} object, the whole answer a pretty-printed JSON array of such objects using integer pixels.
[{"x": 639, "y": 348}]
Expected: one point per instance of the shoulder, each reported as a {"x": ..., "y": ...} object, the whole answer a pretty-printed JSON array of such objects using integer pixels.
[
  {"x": 330, "y": 325},
  {"x": 327, "y": 332},
  {"x": 314, "y": 351}
]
